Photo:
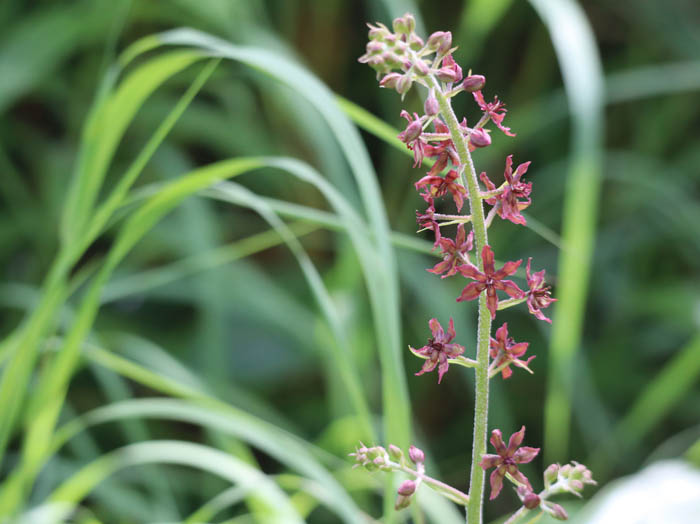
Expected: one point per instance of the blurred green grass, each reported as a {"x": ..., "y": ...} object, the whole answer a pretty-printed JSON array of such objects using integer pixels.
[{"x": 299, "y": 350}]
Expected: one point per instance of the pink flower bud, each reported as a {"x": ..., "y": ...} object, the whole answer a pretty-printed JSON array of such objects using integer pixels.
[
  {"x": 404, "y": 25},
  {"x": 402, "y": 502},
  {"x": 551, "y": 474},
  {"x": 416, "y": 455},
  {"x": 421, "y": 67},
  {"x": 531, "y": 500},
  {"x": 474, "y": 83},
  {"x": 440, "y": 41},
  {"x": 404, "y": 84},
  {"x": 391, "y": 80},
  {"x": 447, "y": 75},
  {"x": 407, "y": 488},
  {"x": 558, "y": 512},
  {"x": 480, "y": 138},
  {"x": 431, "y": 106},
  {"x": 415, "y": 42}
]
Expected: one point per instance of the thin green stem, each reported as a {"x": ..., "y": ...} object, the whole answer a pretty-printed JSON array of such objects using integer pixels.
[
  {"x": 455, "y": 495},
  {"x": 470, "y": 181}
]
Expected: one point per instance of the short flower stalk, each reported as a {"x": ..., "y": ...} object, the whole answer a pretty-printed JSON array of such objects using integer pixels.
[{"x": 402, "y": 60}]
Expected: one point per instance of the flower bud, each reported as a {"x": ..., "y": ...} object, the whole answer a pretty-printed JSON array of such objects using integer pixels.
[
  {"x": 415, "y": 42},
  {"x": 431, "y": 106},
  {"x": 395, "y": 452},
  {"x": 447, "y": 75},
  {"x": 405, "y": 24},
  {"x": 391, "y": 80},
  {"x": 416, "y": 455},
  {"x": 404, "y": 84},
  {"x": 559, "y": 513},
  {"x": 407, "y": 488},
  {"x": 551, "y": 474},
  {"x": 440, "y": 41},
  {"x": 402, "y": 502},
  {"x": 474, "y": 83},
  {"x": 379, "y": 32},
  {"x": 480, "y": 138}
]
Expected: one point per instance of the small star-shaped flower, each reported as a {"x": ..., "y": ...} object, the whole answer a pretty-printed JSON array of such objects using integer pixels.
[
  {"x": 490, "y": 280},
  {"x": 496, "y": 111},
  {"x": 438, "y": 186},
  {"x": 539, "y": 295},
  {"x": 515, "y": 196},
  {"x": 438, "y": 349},
  {"x": 426, "y": 220},
  {"x": 453, "y": 252},
  {"x": 504, "y": 350},
  {"x": 507, "y": 460}
]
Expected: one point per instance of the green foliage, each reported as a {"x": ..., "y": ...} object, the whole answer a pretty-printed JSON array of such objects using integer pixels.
[{"x": 166, "y": 351}]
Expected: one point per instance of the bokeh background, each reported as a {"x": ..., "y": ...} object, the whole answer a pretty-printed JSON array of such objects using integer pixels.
[{"x": 603, "y": 97}]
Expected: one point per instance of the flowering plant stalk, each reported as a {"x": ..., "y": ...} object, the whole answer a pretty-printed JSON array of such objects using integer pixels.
[{"x": 403, "y": 59}]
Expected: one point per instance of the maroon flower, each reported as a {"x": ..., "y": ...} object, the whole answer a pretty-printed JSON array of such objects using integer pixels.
[
  {"x": 490, "y": 280},
  {"x": 438, "y": 349},
  {"x": 495, "y": 110},
  {"x": 504, "y": 350},
  {"x": 507, "y": 460},
  {"x": 509, "y": 205},
  {"x": 411, "y": 136},
  {"x": 453, "y": 252},
  {"x": 427, "y": 220},
  {"x": 444, "y": 150},
  {"x": 539, "y": 295},
  {"x": 438, "y": 186}
]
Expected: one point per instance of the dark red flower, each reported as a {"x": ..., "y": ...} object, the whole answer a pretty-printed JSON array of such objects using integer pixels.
[
  {"x": 438, "y": 186},
  {"x": 490, "y": 280},
  {"x": 495, "y": 110},
  {"x": 444, "y": 150},
  {"x": 539, "y": 295},
  {"x": 507, "y": 460},
  {"x": 504, "y": 350},
  {"x": 509, "y": 205},
  {"x": 454, "y": 252},
  {"x": 411, "y": 136},
  {"x": 426, "y": 220},
  {"x": 438, "y": 349}
]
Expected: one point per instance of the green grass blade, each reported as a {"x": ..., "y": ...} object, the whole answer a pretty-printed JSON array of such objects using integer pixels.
[
  {"x": 278, "y": 506},
  {"x": 666, "y": 390},
  {"x": 105, "y": 129},
  {"x": 574, "y": 44}
]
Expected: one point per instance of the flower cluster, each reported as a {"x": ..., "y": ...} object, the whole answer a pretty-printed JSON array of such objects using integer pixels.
[{"x": 438, "y": 137}]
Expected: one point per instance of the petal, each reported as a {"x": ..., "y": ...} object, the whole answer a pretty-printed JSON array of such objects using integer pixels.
[
  {"x": 440, "y": 267},
  {"x": 453, "y": 350},
  {"x": 428, "y": 366},
  {"x": 460, "y": 237},
  {"x": 508, "y": 173},
  {"x": 521, "y": 170},
  {"x": 451, "y": 330},
  {"x": 497, "y": 441},
  {"x": 507, "y": 270},
  {"x": 471, "y": 291},
  {"x": 471, "y": 271},
  {"x": 489, "y": 461},
  {"x": 490, "y": 186},
  {"x": 517, "y": 475},
  {"x": 443, "y": 367},
  {"x": 519, "y": 349},
  {"x": 502, "y": 335},
  {"x": 506, "y": 372},
  {"x": 515, "y": 440},
  {"x": 436, "y": 328},
  {"x": 492, "y": 301},
  {"x": 525, "y": 454},
  {"x": 487, "y": 260},
  {"x": 509, "y": 287},
  {"x": 496, "y": 480},
  {"x": 480, "y": 100}
]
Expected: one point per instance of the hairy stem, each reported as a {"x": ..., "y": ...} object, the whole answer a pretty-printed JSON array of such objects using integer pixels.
[{"x": 470, "y": 181}]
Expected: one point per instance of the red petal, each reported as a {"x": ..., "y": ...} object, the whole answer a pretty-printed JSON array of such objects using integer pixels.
[
  {"x": 525, "y": 454},
  {"x": 492, "y": 301},
  {"x": 508, "y": 269},
  {"x": 509, "y": 287},
  {"x": 451, "y": 330},
  {"x": 496, "y": 480},
  {"x": 436, "y": 328},
  {"x": 487, "y": 260},
  {"x": 471, "y": 271},
  {"x": 502, "y": 334},
  {"x": 497, "y": 441},
  {"x": 515, "y": 440},
  {"x": 519, "y": 349},
  {"x": 471, "y": 291},
  {"x": 489, "y": 461}
]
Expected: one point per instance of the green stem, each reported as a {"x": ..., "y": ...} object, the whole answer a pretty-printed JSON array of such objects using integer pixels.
[{"x": 481, "y": 402}]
